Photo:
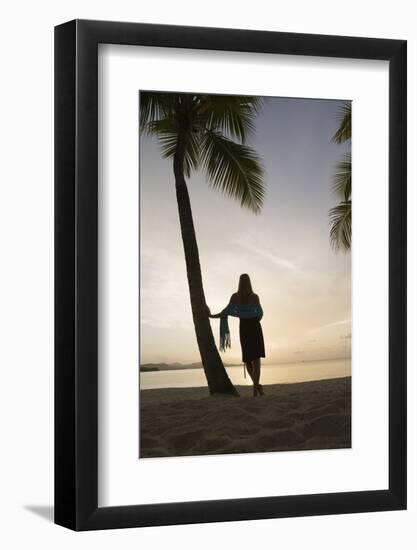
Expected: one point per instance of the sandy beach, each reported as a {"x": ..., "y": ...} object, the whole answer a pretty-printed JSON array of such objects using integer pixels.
[{"x": 187, "y": 421}]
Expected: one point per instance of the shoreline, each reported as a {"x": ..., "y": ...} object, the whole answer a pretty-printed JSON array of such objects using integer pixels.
[{"x": 202, "y": 391}]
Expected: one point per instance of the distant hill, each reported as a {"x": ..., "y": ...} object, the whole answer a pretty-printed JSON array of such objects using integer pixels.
[{"x": 149, "y": 367}]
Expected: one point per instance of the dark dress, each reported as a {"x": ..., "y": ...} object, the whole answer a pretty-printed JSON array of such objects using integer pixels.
[{"x": 251, "y": 339}]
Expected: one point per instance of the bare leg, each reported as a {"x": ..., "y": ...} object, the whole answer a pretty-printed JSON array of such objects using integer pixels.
[
  {"x": 249, "y": 369},
  {"x": 256, "y": 371},
  {"x": 256, "y": 365},
  {"x": 255, "y": 378}
]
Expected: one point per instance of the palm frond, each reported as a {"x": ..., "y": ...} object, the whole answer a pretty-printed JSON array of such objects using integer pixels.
[
  {"x": 233, "y": 168},
  {"x": 344, "y": 131},
  {"x": 154, "y": 106},
  {"x": 342, "y": 178},
  {"x": 192, "y": 153},
  {"x": 340, "y": 219},
  {"x": 209, "y": 124},
  {"x": 161, "y": 126},
  {"x": 167, "y": 135},
  {"x": 234, "y": 116}
]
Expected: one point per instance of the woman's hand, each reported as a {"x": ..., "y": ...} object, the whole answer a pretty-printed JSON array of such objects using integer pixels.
[{"x": 208, "y": 311}]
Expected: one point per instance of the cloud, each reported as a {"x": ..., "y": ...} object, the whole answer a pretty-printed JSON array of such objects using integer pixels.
[
  {"x": 267, "y": 255},
  {"x": 329, "y": 325},
  {"x": 157, "y": 323}
]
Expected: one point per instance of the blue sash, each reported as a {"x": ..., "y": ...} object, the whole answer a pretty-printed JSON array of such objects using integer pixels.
[{"x": 248, "y": 311}]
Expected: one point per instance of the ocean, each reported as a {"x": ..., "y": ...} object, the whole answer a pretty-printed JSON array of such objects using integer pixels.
[{"x": 285, "y": 373}]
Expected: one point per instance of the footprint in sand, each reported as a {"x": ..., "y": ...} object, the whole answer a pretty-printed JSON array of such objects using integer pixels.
[
  {"x": 330, "y": 425},
  {"x": 148, "y": 442},
  {"x": 280, "y": 438},
  {"x": 280, "y": 423},
  {"x": 186, "y": 440}
]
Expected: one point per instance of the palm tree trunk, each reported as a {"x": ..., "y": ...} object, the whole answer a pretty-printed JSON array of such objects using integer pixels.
[{"x": 217, "y": 378}]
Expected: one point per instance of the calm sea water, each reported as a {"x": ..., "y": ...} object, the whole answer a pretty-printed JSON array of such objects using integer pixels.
[{"x": 270, "y": 374}]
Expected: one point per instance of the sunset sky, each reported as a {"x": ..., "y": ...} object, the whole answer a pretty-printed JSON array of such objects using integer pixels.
[{"x": 304, "y": 286}]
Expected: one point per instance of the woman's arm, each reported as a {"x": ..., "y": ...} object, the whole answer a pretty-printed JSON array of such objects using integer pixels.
[
  {"x": 213, "y": 316},
  {"x": 221, "y": 314},
  {"x": 216, "y": 315}
]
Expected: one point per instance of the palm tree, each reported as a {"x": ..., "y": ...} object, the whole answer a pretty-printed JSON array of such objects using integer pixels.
[
  {"x": 341, "y": 215},
  {"x": 344, "y": 131},
  {"x": 206, "y": 132}
]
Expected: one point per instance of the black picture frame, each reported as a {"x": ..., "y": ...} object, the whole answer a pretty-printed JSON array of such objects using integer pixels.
[{"x": 76, "y": 272}]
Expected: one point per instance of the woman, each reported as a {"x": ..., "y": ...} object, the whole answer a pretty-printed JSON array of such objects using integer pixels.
[{"x": 245, "y": 304}]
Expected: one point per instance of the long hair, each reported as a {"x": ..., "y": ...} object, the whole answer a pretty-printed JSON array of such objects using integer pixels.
[{"x": 244, "y": 290}]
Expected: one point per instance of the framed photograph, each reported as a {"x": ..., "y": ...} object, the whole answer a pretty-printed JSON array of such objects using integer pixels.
[{"x": 230, "y": 284}]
